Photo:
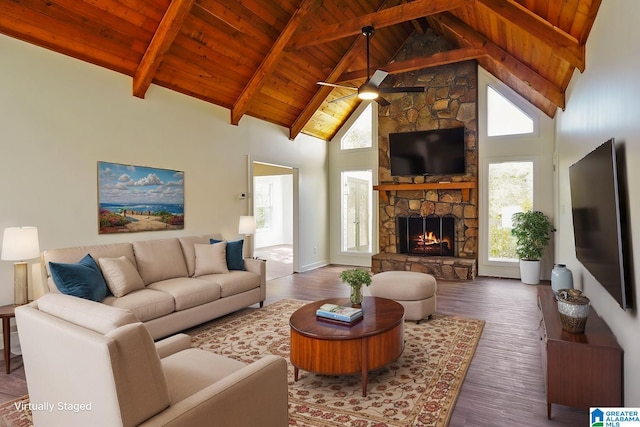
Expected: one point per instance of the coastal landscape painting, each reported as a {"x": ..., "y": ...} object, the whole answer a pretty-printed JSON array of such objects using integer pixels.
[{"x": 138, "y": 198}]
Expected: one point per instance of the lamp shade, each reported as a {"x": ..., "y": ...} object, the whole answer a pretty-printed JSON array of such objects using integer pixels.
[
  {"x": 20, "y": 243},
  {"x": 247, "y": 225}
]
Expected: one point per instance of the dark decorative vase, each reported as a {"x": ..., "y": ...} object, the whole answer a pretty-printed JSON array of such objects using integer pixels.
[{"x": 561, "y": 278}]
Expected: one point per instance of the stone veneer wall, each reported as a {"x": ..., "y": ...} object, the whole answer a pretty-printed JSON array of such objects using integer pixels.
[{"x": 450, "y": 101}]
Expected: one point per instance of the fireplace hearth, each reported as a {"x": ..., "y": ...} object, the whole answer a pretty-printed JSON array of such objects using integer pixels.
[{"x": 430, "y": 235}]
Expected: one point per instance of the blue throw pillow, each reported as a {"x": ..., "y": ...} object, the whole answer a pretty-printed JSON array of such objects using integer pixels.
[
  {"x": 235, "y": 259},
  {"x": 83, "y": 279}
]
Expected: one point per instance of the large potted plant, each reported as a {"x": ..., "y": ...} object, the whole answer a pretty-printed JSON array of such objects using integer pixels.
[
  {"x": 532, "y": 230},
  {"x": 355, "y": 279}
]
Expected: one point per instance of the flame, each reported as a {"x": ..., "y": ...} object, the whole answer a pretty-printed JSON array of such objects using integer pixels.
[{"x": 430, "y": 239}]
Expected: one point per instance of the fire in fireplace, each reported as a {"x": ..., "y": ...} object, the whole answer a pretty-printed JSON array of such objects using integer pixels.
[{"x": 431, "y": 235}]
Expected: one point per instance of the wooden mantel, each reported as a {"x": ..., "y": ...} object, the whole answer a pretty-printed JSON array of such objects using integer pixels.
[{"x": 465, "y": 186}]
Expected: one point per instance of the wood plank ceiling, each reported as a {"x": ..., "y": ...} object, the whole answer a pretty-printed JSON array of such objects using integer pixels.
[{"x": 263, "y": 58}]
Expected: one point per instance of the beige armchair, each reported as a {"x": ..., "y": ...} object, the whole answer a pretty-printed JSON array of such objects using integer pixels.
[{"x": 87, "y": 363}]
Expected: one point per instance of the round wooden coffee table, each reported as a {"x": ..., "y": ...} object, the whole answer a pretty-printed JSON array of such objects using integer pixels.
[{"x": 329, "y": 348}]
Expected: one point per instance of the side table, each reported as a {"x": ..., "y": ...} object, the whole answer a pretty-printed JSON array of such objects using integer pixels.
[{"x": 6, "y": 313}]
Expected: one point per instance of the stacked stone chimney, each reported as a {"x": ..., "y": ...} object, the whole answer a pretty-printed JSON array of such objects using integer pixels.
[{"x": 449, "y": 101}]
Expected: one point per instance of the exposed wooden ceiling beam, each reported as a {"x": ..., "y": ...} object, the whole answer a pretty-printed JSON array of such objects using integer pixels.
[
  {"x": 590, "y": 17},
  {"x": 417, "y": 25},
  {"x": 380, "y": 19},
  {"x": 503, "y": 59},
  {"x": 323, "y": 91},
  {"x": 435, "y": 60},
  {"x": 564, "y": 45},
  {"x": 270, "y": 62},
  {"x": 161, "y": 42}
]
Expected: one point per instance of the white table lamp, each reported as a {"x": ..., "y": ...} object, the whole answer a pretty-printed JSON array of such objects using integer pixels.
[
  {"x": 20, "y": 244},
  {"x": 247, "y": 227}
]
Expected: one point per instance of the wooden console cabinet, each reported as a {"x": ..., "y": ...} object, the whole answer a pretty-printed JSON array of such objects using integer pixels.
[{"x": 580, "y": 370}]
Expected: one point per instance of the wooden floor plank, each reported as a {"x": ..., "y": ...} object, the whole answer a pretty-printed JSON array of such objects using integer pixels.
[{"x": 504, "y": 385}]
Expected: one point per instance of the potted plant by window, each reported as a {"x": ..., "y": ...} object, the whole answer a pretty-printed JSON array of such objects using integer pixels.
[
  {"x": 355, "y": 279},
  {"x": 532, "y": 232}
]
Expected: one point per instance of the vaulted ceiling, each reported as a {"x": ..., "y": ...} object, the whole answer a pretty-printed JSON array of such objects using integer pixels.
[{"x": 263, "y": 58}]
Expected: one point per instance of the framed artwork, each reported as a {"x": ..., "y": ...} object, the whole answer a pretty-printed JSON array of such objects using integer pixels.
[{"x": 139, "y": 198}]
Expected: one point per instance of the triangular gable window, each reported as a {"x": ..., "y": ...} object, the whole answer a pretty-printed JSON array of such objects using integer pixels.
[
  {"x": 504, "y": 118},
  {"x": 360, "y": 133}
]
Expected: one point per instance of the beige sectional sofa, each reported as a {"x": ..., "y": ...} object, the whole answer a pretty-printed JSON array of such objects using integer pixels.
[{"x": 165, "y": 290}]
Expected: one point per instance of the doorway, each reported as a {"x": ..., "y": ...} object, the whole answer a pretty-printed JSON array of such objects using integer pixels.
[
  {"x": 273, "y": 209},
  {"x": 356, "y": 208},
  {"x": 509, "y": 185}
]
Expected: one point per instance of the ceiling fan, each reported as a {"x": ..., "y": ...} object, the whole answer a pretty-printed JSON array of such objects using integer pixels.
[{"x": 370, "y": 90}]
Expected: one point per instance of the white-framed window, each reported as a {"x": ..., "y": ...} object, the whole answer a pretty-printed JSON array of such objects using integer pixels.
[
  {"x": 504, "y": 117},
  {"x": 359, "y": 134},
  {"x": 353, "y": 203},
  {"x": 516, "y": 172},
  {"x": 510, "y": 190},
  {"x": 263, "y": 204},
  {"x": 356, "y": 210}
]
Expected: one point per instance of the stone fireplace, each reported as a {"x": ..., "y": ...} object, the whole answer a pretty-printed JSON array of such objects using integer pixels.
[
  {"x": 456, "y": 261},
  {"x": 429, "y": 223}
]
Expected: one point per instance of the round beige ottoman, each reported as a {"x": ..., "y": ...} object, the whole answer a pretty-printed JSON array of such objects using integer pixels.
[{"x": 415, "y": 291}]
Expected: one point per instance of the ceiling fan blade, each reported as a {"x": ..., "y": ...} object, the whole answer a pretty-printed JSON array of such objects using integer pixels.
[
  {"x": 378, "y": 77},
  {"x": 403, "y": 89},
  {"x": 337, "y": 85},
  {"x": 382, "y": 102},
  {"x": 342, "y": 97}
]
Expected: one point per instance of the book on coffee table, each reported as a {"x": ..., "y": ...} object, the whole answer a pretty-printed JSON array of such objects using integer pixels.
[{"x": 337, "y": 312}]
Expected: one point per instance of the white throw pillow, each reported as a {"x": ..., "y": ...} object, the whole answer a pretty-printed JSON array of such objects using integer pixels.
[
  {"x": 121, "y": 275},
  {"x": 211, "y": 259}
]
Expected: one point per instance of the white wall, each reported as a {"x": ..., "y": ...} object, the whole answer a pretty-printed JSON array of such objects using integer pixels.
[
  {"x": 603, "y": 103},
  {"x": 60, "y": 116}
]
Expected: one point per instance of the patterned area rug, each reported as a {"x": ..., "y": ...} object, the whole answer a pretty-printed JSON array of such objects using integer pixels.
[
  {"x": 418, "y": 389},
  {"x": 16, "y": 413}
]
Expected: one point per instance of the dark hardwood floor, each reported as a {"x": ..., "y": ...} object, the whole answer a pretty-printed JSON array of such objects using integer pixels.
[{"x": 504, "y": 385}]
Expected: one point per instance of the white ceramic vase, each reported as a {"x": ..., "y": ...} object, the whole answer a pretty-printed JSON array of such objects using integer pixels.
[{"x": 561, "y": 278}]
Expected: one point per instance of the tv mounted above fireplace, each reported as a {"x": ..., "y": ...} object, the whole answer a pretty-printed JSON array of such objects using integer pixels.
[{"x": 429, "y": 152}]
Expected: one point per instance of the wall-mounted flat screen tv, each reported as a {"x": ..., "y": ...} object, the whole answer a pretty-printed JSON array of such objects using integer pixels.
[
  {"x": 430, "y": 152},
  {"x": 597, "y": 222}
]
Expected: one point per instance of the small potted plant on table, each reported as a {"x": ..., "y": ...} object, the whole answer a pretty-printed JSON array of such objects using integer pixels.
[
  {"x": 355, "y": 279},
  {"x": 532, "y": 232}
]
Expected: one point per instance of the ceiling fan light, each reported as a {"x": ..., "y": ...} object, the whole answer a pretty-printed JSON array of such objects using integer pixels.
[{"x": 367, "y": 92}]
